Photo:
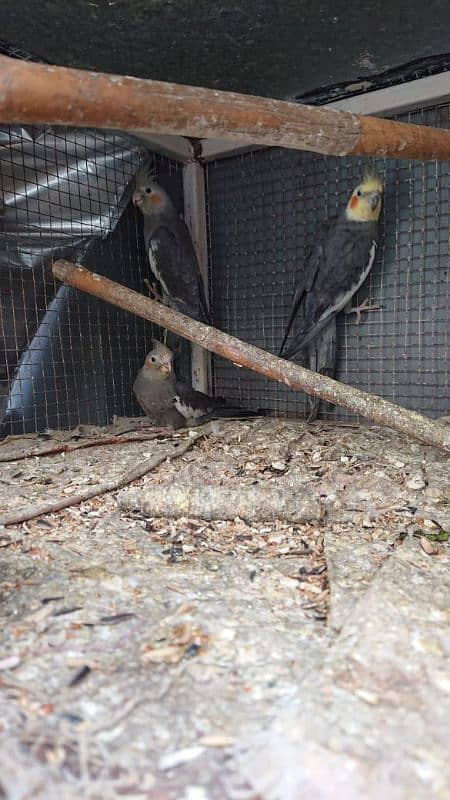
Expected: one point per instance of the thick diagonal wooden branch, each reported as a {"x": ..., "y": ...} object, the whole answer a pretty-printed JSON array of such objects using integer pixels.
[
  {"x": 39, "y": 94},
  {"x": 246, "y": 355}
]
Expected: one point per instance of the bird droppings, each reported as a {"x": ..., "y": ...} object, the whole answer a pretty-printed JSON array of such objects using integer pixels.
[
  {"x": 171, "y": 760},
  {"x": 140, "y": 653},
  {"x": 416, "y": 482}
]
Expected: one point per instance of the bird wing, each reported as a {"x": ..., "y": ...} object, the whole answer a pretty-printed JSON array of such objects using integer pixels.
[
  {"x": 190, "y": 403},
  {"x": 174, "y": 263},
  {"x": 343, "y": 263},
  {"x": 307, "y": 277},
  {"x": 198, "y": 408}
]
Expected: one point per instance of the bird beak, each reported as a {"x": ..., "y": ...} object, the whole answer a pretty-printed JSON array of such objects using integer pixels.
[
  {"x": 373, "y": 200},
  {"x": 136, "y": 198},
  {"x": 166, "y": 367}
]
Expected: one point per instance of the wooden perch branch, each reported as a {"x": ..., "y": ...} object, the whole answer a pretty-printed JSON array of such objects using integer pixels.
[
  {"x": 38, "y": 94},
  {"x": 246, "y": 355}
]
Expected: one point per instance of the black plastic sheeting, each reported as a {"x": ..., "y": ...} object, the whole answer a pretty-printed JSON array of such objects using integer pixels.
[{"x": 80, "y": 365}]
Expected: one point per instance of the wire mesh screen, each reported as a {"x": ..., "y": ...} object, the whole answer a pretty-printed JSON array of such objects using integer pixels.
[
  {"x": 264, "y": 211},
  {"x": 67, "y": 358}
]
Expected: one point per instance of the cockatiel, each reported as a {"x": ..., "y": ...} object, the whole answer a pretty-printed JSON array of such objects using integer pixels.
[
  {"x": 154, "y": 388},
  {"x": 169, "y": 247},
  {"x": 339, "y": 263},
  {"x": 173, "y": 402}
]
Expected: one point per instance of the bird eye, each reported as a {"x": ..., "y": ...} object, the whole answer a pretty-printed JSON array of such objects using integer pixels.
[
  {"x": 153, "y": 359},
  {"x": 148, "y": 190},
  {"x": 359, "y": 192}
]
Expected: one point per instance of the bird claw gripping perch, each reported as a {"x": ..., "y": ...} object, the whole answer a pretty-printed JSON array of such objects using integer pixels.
[{"x": 153, "y": 290}]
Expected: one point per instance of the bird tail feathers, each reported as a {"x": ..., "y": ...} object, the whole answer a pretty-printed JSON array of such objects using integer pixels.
[{"x": 302, "y": 339}]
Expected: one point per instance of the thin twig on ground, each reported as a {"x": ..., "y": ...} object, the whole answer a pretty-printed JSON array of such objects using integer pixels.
[
  {"x": 38, "y": 509},
  {"x": 64, "y": 447}
]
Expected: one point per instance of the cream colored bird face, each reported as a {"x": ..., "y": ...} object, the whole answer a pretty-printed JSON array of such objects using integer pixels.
[
  {"x": 159, "y": 361},
  {"x": 365, "y": 202},
  {"x": 149, "y": 196}
]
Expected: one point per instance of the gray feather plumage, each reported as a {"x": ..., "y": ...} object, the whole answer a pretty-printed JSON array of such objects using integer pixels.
[
  {"x": 169, "y": 248},
  {"x": 170, "y": 401},
  {"x": 174, "y": 263},
  {"x": 155, "y": 397},
  {"x": 320, "y": 356},
  {"x": 338, "y": 264}
]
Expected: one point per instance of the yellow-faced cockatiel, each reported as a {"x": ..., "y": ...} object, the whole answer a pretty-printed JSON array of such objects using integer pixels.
[
  {"x": 169, "y": 248},
  {"x": 173, "y": 402},
  {"x": 339, "y": 263}
]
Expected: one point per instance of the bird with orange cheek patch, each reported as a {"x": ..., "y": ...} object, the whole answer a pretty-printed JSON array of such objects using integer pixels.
[
  {"x": 169, "y": 248},
  {"x": 338, "y": 265}
]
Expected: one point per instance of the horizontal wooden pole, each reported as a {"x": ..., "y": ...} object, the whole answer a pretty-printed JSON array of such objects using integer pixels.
[
  {"x": 39, "y": 94},
  {"x": 246, "y": 355}
]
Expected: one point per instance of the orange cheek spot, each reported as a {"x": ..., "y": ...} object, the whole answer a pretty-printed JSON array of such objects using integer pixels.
[
  {"x": 353, "y": 202},
  {"x": 155, "y": 198}
]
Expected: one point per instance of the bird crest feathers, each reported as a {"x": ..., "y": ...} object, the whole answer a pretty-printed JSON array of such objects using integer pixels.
[
  {"x": 159, "y": 361},
  {"x": 146, "y": 172},
  {"x": 161, "y": 349},
  {"x": 371, "y": 180}
]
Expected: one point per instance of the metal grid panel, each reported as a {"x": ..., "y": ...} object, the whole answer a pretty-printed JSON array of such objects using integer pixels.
[
  {"x": 264, "y": 210},
  {"x": 66, "y": 357}
]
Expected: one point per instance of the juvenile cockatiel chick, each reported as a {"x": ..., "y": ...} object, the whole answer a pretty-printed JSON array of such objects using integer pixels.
[
  {"x": 338, "y": 265},
  {"x": 173, "y": 402},
  {"x": 169, "y": 248},
  {"x": 154, "y": 389}
]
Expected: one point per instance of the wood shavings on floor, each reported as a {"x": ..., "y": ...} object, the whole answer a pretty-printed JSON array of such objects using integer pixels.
[{"x": 139, "y": 652}]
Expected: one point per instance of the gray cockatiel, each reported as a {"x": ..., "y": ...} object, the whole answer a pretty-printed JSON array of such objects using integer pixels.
[
  {"x": 154, "y": 390},
  {"x": 339, "y": 263},
  {"x": 173, "y": 402},
  {"x": 169, "y": 247}
]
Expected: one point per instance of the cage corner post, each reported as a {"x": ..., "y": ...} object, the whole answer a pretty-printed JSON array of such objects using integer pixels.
[{"x": 195, "y": 217}]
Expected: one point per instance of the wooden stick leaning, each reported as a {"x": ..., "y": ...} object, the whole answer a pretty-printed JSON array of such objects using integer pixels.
[
  {"x": 245, "y": 355},
  {"x": 40, "y": 94}
]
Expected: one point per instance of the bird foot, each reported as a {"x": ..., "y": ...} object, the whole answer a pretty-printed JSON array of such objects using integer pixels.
[
  {"x": 153, "y": 290},
  {"x": 313, "y": 410},
  {"x": 165, "y": 335},
  {"x": 364, "y": 306}
]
